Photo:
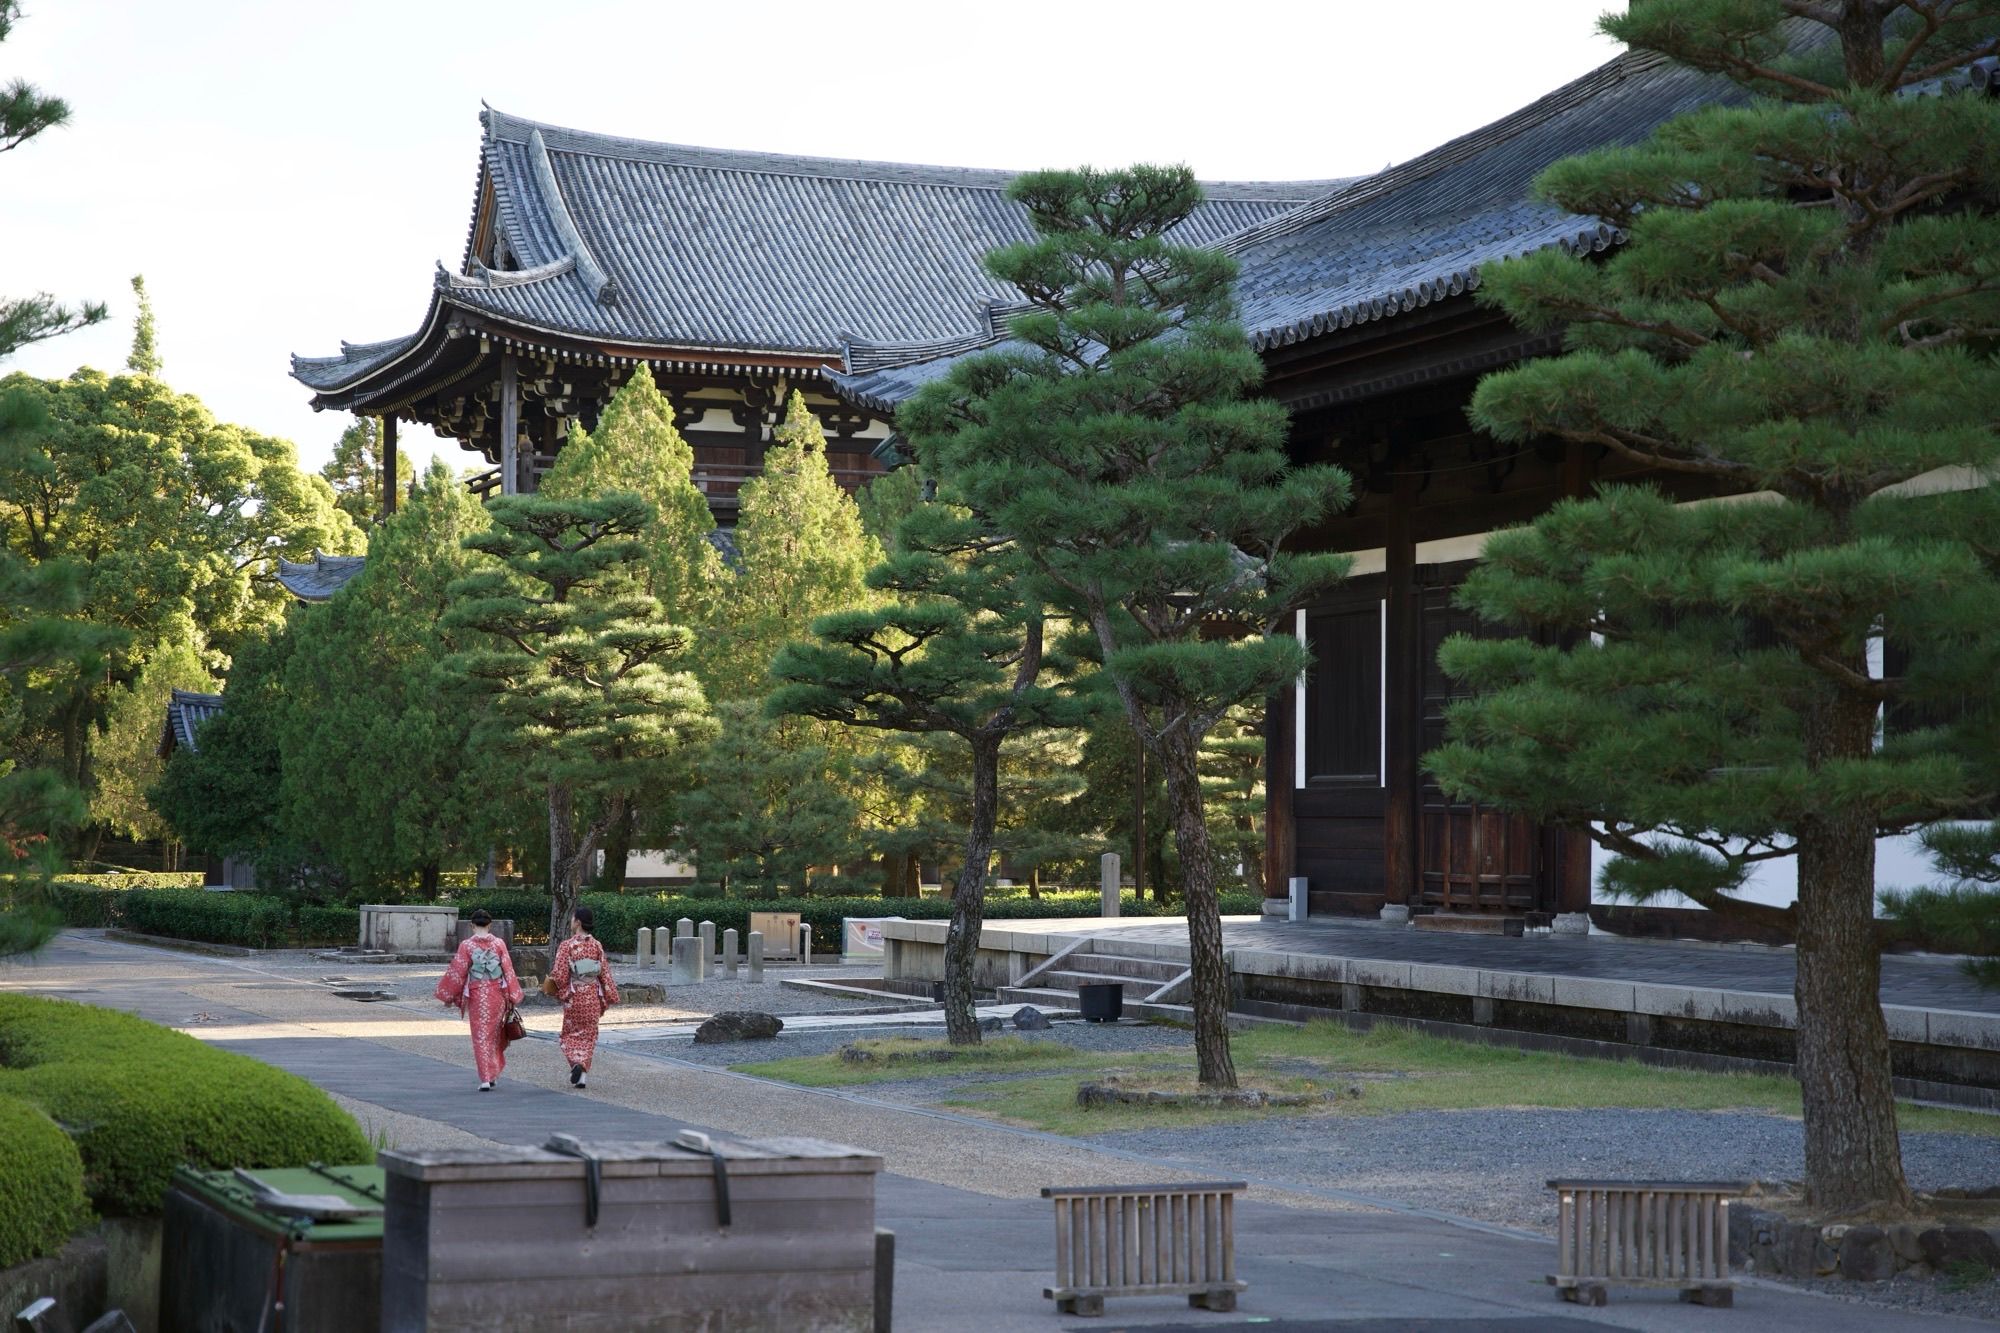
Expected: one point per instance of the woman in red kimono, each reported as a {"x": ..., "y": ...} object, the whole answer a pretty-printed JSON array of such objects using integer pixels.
[
  {"x": 583, "y": 981},
  {"x": 480, "y": 984}
]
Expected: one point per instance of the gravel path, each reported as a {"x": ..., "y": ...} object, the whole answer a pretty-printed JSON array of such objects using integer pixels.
[{"x": 1111, "y": 1038}]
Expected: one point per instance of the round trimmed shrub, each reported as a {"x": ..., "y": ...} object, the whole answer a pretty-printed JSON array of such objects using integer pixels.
[
  {"x": 138, "y": 1100},
  {"x": 41, "y": 1178}
]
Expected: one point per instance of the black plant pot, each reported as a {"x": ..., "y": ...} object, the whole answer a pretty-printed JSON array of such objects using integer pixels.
[{"x": 1101, "y": 1001}]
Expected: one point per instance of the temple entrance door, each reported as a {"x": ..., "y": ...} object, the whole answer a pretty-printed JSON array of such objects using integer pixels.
[{"x": 1470, "y": 858}]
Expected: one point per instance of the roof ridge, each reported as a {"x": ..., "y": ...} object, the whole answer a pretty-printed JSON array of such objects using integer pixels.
[{"x": 519, "y": 129}]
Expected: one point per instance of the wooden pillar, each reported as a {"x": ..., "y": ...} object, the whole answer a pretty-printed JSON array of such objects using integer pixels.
[
  {"x": 510, "y": 426},
  {"x": 1573, "y": 845},
  {"x": 1139, "y": 847},
  {"x": 1280, "y": 772},
  {"x": 388, "y": 464},
  {"x": 1401, "y": 700}
]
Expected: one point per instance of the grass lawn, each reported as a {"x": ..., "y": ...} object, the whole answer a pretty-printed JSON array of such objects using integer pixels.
[{"x": 1396, "y": 1069}]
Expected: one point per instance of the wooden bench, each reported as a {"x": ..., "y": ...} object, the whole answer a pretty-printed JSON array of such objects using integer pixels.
[
  {"x": 1145, "y": 1240},
  {"x": 1643, "y": 1233}
]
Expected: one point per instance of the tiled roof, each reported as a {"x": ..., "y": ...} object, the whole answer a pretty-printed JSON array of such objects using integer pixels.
[
  {"x": 664, "y": 245},
  {"x": 187, "y": 713},
  {"x": 321, "y": 577},
  {"x": 1406, "y": 237}
]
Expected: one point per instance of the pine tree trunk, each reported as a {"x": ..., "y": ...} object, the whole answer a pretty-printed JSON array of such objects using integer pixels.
[
  {"x": 427, "y": 881},
  {"x": 1035, "y": 884},
  {"x": 1854, "y": 1160},
  {"x": 968, "y": 900},
  {"x": 1210, "y": 982},
  {"x": 618, "y": 851},
  {"x": 562, "y": 861}
]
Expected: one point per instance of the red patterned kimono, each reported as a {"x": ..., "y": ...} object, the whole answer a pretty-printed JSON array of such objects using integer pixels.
[
  {"x": 584, "y": 999},
  {"x": 480, "y": 983}
]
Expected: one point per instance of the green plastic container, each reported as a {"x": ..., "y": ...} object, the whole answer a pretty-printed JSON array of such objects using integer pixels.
[{"x": 232, "y": 1264}]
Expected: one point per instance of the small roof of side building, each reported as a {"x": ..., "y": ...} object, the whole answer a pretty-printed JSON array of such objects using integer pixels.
[
  {"x": 708, "y": 255},
  {"x": 321, "y": 577},
  {"x": 1408, "y": 237},
  {"x": 187, "y": 713}
]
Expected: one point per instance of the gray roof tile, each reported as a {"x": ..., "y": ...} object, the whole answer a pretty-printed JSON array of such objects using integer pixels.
[
  {"x": 321, "y": 577},
  {"x": 187, "y": 713}
]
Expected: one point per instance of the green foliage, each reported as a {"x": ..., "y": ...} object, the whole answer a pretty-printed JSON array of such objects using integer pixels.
[
  {"x": 1232, "y": 792},
  {"x": 575, "y": 666},
  {"x": 355, "y": 471},
  {"x": 41, "y": 1177},
  {"x": 25, "y": 112},
  {"x": 766, "y": 803},
  {"x": 1961, "y": 915},
  {"x": 144, "y": 358},
  {"x": 128, "y": 752},
  {"x": 888, "y": 500},
  {"x": 140, "y": 1099},
  {"x": 255, "y": 920},
  {"x": 378, "y": 770}
]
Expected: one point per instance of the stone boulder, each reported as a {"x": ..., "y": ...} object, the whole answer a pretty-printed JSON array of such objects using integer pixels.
[
  {"x": 1030, "y": 1019},
  {"x": 1867, "y": 1255},
  {"x": 1958, "y": 1244},
  {"x": 738, "y": 1025}
]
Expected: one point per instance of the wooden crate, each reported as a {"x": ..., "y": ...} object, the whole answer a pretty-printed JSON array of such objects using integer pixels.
[{"x": 496, "y": 1239}]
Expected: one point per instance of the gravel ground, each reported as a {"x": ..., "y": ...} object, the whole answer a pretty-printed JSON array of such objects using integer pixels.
[{"x": 1112, "y": 1038}]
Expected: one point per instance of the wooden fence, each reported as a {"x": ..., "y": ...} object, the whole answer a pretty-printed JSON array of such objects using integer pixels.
[
  {"x": 1145, "y": 1240},
  {"x": 1643, "y": 1233}
]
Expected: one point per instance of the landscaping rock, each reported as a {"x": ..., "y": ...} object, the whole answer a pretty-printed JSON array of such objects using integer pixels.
[
  {"x": 991, "y": 1025},
  {"x": 1030, "y": 1019},
  {"x": 1958, "y": 1244},
  {"x": 738, "y": 1025},
  {"x": 1903, "y": 1239},
  {"x": 1866, "y": 1255}
]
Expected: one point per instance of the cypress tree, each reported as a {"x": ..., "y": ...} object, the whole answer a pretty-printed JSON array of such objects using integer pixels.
[
  {"x": 1802, "y": 311},
  {"x": 1117, "y": 445},
  {"x": 144, "y": 358}
]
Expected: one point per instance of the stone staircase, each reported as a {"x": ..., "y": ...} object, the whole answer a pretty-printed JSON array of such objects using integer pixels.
[{"x": 1053, "y": 984}]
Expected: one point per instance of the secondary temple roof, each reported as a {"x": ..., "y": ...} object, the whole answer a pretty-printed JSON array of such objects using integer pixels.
[
  {"x": 187, "y": 713},
  {"x": 321, "y": 577},
  {"x": 700, "y": 250},
  {"x": 1409, "y": 236}
]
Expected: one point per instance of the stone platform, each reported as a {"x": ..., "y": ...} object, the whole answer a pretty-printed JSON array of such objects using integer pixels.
[{"x": 1705, "y": 1005}]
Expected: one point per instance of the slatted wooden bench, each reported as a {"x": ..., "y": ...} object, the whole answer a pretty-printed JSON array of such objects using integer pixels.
[
  {"x": 1644, "y": 1233},
  {"x": 1145, "y": 1240}
]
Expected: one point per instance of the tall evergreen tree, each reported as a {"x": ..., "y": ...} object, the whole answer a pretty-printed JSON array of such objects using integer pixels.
[
  {"x": 377, "y": 760},
  {"x": 577, "y": 666},
  {"x": 1117, "y": 445},
  {"x": 959, "y": 648},
  {"x": 355, "y": 471},
  {"x": 767, "y": 803},
  {"x": 25, "y": 112},
  {"x": 144, "y": 358},
  {"x": 1803, "y": 310}
]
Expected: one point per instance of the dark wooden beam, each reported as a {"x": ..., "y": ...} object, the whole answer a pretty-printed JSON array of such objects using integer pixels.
[
  {"x": 1402, "y": 697},
  {"x": 1280, "y": 768},
  {"x": 388, "y": 465},
  {"x": 510, "y": 426}
]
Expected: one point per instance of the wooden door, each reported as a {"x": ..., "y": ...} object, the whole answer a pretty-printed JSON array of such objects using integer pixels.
[{"x": 1470, "y": 858}]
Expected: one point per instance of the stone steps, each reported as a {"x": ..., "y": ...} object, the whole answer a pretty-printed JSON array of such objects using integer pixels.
[
  {"x": 1050, "y": 997},
  {"x": 1155, "y": 970}
]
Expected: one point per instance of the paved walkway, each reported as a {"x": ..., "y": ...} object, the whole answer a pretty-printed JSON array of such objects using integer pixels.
[
  {"x": 1915, "y": 980},
  {"x": 973, "y": 1243}
]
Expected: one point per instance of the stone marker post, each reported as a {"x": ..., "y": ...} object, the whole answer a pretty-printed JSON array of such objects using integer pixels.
[
  {"x": 705, "y": 932},
  {"x": 644, "y": 951},
  {"x": 805, "y": 942},
  {"x": 1107, "y": 884},
  {"x": 684, "y": 928},
  {"x": 729, "y": 953},
  {"x": 1296, "y": 903},
  {"x": 756, "y": 955},
  {"x": 687, "y": 968}
]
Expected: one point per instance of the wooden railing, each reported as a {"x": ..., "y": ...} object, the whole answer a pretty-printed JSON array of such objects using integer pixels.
[
  {"x": 1643, "y": 1233},
  {"x": 1145, "y": 1240}
]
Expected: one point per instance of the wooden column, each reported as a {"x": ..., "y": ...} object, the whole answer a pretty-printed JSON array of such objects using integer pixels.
[
  {"x": 388, "y": 464},
  {"x": 1402, "y": 698},
  {"x": 1573, "y": 845},
  {"x": 510, "y": 426},
  {"x": 1280, "y": 840}
]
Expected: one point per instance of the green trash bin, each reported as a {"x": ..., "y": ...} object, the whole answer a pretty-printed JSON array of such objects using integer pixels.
[{"x": 242, "y": 1251}]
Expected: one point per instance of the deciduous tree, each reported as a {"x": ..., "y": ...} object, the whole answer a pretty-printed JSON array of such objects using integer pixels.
[
  {"x": 1117, "y": 444},
  {"x": 1802, "y": 311}
]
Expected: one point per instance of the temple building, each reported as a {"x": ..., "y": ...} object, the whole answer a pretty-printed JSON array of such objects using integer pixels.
[{"x": 735, "y": 276}]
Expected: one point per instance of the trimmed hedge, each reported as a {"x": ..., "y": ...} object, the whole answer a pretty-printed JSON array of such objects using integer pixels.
[
  {"x": 252, "y": 919},
  {"x": 41, "y": 1178},
  {"x": 619, "y": 915},
  {"x": 139, "y": 1099}
]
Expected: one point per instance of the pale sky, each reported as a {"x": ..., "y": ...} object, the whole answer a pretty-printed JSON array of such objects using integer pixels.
[{"x": 286, "y": 173}]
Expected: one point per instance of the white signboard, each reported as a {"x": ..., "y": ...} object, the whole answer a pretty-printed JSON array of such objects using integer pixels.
[{"x": 861, "y": 937}]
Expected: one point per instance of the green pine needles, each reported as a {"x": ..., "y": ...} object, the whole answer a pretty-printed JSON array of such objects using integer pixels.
[
  {"x": 1116, "y": 443},
  {"x": 1803, "y": 314}
]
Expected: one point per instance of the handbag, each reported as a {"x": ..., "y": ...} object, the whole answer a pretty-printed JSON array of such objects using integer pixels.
[
  {"x": 550, "y": 989},
  {"x": 512, "y": 1029}
]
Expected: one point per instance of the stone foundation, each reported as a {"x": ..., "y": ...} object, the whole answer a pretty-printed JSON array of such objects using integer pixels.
[{"x": 1770, "y": 1244}]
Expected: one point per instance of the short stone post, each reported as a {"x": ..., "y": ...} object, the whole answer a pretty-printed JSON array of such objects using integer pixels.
[
  {"x": 756, "y": 944},
  {"x": 705, "y": 932},
  {"x": 805, "y": 942},
  {"x": 644, "y": 951},
  {"x": 687, "y": 969},
  {"x": 1297, "y": 904},
  {"x": 729, "y": 953},
  {"x": 1107, "y": 884},
  {"x": 684, "y": 928}
]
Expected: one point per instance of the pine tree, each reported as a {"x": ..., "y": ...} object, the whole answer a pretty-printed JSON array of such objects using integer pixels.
[
  {"x": 144, "y": 358},
  {"x": 959, "y": 648},
  {"x": 355, "y": 471},
  {"x": 577, "y": 667},
  {"x": 1232, "y": 787},
  {"x": 1117, "y": 446},
  {"x": 767, "y": 804},
  {"x": 24, "y": 113},
  {"x": 1800, "y": 311}
]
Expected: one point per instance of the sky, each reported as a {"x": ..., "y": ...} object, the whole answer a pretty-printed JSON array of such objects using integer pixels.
[{"x": 287, "y": 173}]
